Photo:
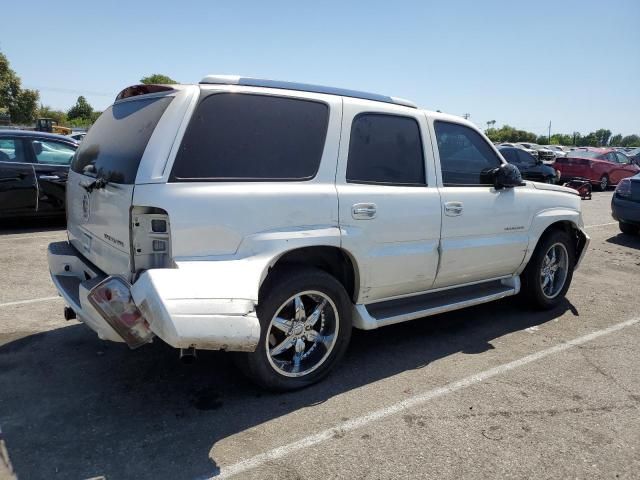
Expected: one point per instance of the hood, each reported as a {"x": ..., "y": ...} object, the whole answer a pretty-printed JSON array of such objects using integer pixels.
[{"x": 553, "y": 188}]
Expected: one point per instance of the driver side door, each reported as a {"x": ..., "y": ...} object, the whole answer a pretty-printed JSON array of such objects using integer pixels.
[{"x": 485, "y": 230}]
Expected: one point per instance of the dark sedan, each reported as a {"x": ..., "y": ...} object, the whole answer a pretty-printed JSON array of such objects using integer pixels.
[
  {"x": 530, "y": 167},
  {"x": 33, "y": 173},
  {"x": 625, "y": 204}
]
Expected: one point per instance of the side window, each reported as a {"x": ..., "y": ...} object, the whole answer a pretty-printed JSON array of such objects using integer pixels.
[
  {"x": 510, "y": 155},
  {"x": 622, "y": 159},
  {"x": 52, "y": 153},
  {"x": 611, "y": 157},
  {"x": 11, "y": 150},
  {"x": 465, "y": 157},
  {"x": 385, "y": 149},
  {"x": 246, "y": 137},
  {"x": 526, "y": 159}
]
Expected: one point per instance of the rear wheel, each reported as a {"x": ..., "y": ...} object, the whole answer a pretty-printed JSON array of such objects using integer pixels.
[
  {"x": 548, "y": 275},
  {"x": 603, "y": 184},
  {"x": 628, "y": 228},
  {"x": 305, "y": 322}
]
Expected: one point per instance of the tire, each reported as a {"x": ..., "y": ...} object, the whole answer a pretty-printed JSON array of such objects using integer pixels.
[
  {"x": 628, "y": 228},
  {"x": 300, "y": 361},
  {"x": 539, "y": 294},
  {"x": 603, "y": 184}
]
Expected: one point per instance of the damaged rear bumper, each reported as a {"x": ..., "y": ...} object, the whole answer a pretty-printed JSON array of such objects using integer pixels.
[{"x": 204, "y": 322}]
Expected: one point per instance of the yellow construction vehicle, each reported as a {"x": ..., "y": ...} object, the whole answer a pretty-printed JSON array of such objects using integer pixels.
[{"x": 48, "y": 125}]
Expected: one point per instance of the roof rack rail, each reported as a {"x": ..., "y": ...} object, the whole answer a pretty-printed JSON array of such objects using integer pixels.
[{"x": 303, "y": 87}]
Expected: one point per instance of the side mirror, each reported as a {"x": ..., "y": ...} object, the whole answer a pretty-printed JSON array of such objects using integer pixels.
[
  {"x": 506, "y": 176},
  {"x": 37, "y": 148}
]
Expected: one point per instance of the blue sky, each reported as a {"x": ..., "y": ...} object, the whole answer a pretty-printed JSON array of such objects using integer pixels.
[{"x": 574, "y": 63}]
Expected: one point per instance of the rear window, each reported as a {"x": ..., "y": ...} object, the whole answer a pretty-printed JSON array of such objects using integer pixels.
[
  {"x": 248, "y": 137},
  {"x": 587, "y": 154},
  {"x": 113, "y": 147}
]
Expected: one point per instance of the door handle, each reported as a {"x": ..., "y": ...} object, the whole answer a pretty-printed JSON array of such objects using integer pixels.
[
  {"x": 363, "y": 211},
  {"x": 48, "y": 177},
  {"x": 453, "y": 209}
]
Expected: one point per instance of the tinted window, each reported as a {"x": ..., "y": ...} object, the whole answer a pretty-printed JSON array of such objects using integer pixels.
[
  {"x": 510, "y": 155},
  {"x": 252, "y": 137},
  {"x": 53, "y": 153},
  {"x": 385, "y": 149},
  {"x": 465, "y": 157},
  {"x": 11, "y": 150},
  {"x": 526, "y": 159},
  {"x": 114, "y": 145}
]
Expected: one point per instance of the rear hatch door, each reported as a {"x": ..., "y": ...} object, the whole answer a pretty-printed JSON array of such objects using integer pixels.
[{"x": 102, "y": 178}]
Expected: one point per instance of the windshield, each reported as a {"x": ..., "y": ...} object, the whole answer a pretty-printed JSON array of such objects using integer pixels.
[{"x": 113, "y": 147}]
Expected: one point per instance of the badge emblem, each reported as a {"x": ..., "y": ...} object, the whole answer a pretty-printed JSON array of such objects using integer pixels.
[{"x": 86, "y": 207}]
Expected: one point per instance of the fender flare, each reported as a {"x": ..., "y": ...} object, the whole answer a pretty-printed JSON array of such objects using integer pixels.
[{"x": 547, "y": 218}]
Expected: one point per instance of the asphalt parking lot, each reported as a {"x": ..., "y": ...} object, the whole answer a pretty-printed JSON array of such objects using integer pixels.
[{"x": 491, "y": 391}]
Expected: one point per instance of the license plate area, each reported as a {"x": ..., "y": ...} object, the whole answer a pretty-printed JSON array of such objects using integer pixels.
[{"x": 112, "y": 299}]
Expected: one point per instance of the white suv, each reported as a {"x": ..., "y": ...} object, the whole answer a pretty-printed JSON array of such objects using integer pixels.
[{"x": 272, "y": 217}]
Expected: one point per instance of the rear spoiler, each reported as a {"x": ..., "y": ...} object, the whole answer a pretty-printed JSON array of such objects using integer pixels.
[{"x": 136, "y": 90}]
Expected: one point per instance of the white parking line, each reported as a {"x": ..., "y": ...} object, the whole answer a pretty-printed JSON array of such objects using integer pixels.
[
  {"x": 415, "y": 401},
  {"x": 33, "y": 300},
  {"x": 600, "y": 225}
]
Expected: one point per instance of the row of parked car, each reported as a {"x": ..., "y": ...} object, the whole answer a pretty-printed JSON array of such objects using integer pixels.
[
  {"x": 602, "y": 167},
  {"x": 34, "y": 167}
]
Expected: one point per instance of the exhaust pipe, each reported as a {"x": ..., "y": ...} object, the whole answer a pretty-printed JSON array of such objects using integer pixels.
[{"x": 188, "y": 355}]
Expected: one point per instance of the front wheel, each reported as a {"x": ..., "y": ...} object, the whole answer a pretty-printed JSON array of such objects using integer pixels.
[
  {"x": 305, "y": 322},
  {"x": 548, "y": 275}
]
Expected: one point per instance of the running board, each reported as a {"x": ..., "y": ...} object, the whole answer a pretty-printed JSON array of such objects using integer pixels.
[{"x": 379, "y": 314}]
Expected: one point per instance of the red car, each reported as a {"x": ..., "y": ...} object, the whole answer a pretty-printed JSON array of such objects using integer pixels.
[{"x": 601, "y": 166}]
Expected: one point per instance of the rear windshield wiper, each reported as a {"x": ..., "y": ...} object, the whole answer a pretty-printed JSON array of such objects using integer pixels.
[{"x": 97, "y": 184}]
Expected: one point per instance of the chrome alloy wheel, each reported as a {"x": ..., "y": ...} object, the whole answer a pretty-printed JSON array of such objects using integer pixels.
[
  {"x": 302, "y": 333},
  {"x": 553, "y": 273}
]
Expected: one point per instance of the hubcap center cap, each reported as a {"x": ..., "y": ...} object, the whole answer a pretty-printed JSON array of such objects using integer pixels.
[{"x": 298, "y": 329}]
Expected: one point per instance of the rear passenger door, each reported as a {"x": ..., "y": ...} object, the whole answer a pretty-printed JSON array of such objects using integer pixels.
[
  {"x": 17, "y": 181},
  {"x": 51, "y": 161},
  {"x": 484, "y": 230},
  {"x": 389, "y": 205}
]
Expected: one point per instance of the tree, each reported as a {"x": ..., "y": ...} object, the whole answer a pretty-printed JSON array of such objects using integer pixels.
[
  {"x": 25, "y": 108},
  {"x": 631, "y": 141},
  {"x": 9, "y": 84},
  {"x": 507, "y": 133},
  {"x": 157, "y": 78},
  {"x": 616, "y": 140},
  {"x": 22, "y": 105},
  {"x": 602, "y": 136},
  {"x": 81, "y": 110},
  {"x": 561, "y": 139}
]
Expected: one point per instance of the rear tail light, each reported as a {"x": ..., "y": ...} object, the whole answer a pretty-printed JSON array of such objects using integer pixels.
[
  {"x": 151, "y": 238},
  {"x": 624, "y": 188},
  {"x": 112, "y": 299}
]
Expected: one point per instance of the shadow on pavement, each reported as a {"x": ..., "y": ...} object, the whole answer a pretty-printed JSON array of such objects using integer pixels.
[
  {"x": 625, "y": 240},
  {"x": 74, "y": 407},
  {"x": 32, "y": 225}
]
